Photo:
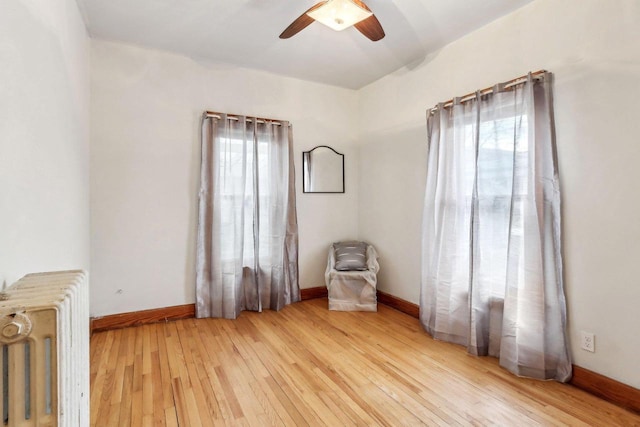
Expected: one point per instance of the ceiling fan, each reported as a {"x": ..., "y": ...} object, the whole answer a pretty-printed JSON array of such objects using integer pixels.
[{"x": 338, "y": 15}]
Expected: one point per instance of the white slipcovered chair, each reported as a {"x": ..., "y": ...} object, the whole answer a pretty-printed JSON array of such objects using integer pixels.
[{"x": 351, "y": 276}]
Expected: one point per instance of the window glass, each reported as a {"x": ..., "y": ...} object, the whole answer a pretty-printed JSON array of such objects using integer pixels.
[{"x": 237, "y": 162}]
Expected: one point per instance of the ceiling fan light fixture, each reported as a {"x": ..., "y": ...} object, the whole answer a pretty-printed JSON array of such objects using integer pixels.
[{"x": 339, "y": 14}]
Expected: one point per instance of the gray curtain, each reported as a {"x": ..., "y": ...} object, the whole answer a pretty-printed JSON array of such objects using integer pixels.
[
  {"x": 492, "y": 268},
  {"x": 247, "y": 247}
]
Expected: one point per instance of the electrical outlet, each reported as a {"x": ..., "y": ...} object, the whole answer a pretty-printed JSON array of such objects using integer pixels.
[{"x": 588, "y": 341}]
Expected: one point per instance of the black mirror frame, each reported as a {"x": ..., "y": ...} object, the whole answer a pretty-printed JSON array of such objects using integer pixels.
[{"x": 304, "y": 174}]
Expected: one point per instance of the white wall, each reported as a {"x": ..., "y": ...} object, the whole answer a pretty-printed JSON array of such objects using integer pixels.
[
  {"x": 145, "y": 112},
  {"x": 44, "y": 138},
  {"x": 592, "y": 48}
]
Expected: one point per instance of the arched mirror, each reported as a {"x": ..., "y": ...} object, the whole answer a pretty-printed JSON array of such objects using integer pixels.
[{"x": 322, "y": 170}]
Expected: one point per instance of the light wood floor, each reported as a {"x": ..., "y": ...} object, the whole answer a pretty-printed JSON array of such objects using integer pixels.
[{"x": 306, "y": 365}]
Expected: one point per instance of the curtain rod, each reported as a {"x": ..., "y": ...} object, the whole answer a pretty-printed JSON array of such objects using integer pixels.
[
  {"x": 236, "y": 117},
  {"x": 513, "y": 82}
]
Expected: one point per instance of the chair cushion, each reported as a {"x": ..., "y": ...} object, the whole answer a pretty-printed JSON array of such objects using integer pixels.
[{"x": 350, "y": 256}]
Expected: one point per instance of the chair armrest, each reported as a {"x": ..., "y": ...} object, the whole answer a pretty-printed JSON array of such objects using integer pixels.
[
  {"x": 372, "y": 259},
  {"x": 331, "y": 262}
]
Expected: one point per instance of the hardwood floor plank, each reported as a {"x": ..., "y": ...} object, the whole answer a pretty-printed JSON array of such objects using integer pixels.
[
  {"x": 136, "y": 405},
  {"x": 116, "y": 396},
  {"x": 98, "y": 368},
  {"x": 107, "y": 383},
  {"x": 156, "y": 373},
  {"x": 306, "y": 365},
  {"x": 171, "y": 417},
  {"x": 181, "y": 407},
  {"x": 165, "y": 373},
  {"x": 125, "y": 404}
]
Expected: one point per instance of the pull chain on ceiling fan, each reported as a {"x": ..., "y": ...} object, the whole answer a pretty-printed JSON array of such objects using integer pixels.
[{"x": 338, "y": 15}]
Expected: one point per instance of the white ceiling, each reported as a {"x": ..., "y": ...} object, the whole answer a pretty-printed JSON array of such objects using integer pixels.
[{"x": 245, "y": 33}]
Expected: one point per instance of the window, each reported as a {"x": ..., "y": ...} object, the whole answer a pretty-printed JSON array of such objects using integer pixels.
[
  {"x": 238, "y": 168},
  {"x": 247, "y": 227},
  {"x": 502, "y": 142},
  {"x": 492, "y": 270}
]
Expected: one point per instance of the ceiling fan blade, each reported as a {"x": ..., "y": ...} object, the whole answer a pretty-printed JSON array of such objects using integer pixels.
[
  {"x": 371, "y": 28},
  {"x": 301, "y": 23}
]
